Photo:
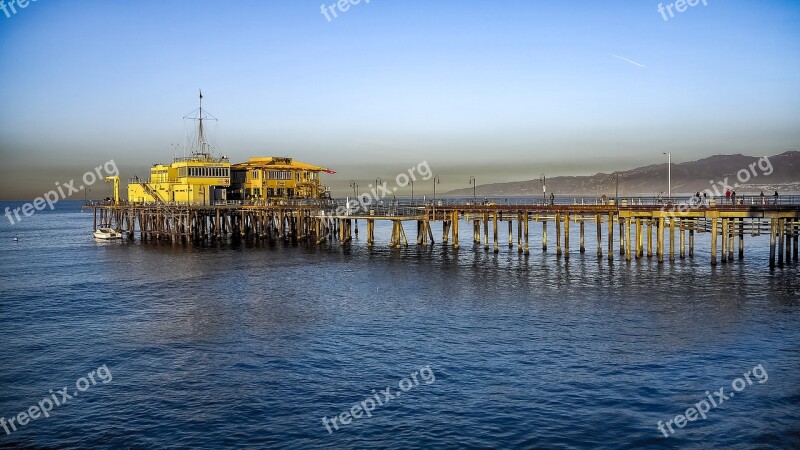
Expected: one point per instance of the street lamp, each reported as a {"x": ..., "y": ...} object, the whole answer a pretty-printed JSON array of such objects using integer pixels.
[
  {"x": 435, "y": 182},
  {"x": 543, "y": 179},
  {"x": 355, "y": 188},
  {"x": 412, "y": 190},
  {"x": 615, "y": 177},
  {"x": 473, "y": 183},
  {"x": 378, "y": 182},
  {"x": 669, "y": 174}
]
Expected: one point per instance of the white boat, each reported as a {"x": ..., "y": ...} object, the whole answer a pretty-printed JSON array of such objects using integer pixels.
[{"x": 107, "y": 233}]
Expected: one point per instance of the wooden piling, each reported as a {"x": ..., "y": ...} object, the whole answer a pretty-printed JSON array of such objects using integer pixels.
[
  {"x": 599, "y": 222},
  {"x": 566, "y": 235},
  {"x": 558, "y": 234}
]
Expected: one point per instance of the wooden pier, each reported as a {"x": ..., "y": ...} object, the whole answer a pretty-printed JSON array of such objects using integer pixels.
[{"x": 633, "y": 225}]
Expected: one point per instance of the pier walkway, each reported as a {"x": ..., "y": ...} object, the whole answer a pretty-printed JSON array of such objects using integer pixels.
[{"x": 636, "y": 223}]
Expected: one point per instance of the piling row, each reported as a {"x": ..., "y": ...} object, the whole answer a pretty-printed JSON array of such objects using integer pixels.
[{"x": 638, "y": 227}]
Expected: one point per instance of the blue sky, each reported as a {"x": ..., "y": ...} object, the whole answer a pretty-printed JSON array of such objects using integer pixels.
[{"x": 501, "y": 90}]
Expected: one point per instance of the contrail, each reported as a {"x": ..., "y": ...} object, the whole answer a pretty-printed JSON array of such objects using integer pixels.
[{"x": 628, "y": 60}]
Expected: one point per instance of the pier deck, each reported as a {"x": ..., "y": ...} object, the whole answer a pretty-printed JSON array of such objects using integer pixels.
[{"x": 635, "y": 222}]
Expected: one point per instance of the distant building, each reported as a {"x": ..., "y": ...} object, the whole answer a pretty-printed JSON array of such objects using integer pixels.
[
  {"x": 202, "y": 179},
  {"x": 197, "y": 180},
  {"x": 267, "y": 178}
]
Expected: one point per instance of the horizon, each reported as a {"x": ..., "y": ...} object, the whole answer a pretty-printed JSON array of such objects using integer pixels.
[
  {"x": 499, "y": 93},
  {"x": 423, "y": 192}
]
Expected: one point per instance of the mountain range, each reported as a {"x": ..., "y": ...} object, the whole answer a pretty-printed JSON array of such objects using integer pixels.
[{"x": 746, "y": 174}]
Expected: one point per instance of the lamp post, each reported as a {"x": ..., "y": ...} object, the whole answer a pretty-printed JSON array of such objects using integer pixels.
[
  {"x": 473, "y": 182},
  {"x": 354, "y": 185},
  {"x": 412, "y": 190},
  {"x": 615, "y": 177},
  {"x": 435, "y": 182},
  {"x": 669, "y": 174},
  {"x": 378, "y": 182},
  {"x": 543, "y": 179}
]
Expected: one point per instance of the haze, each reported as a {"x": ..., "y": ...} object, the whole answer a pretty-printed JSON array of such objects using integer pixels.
[{"x": 499, "y": 91}]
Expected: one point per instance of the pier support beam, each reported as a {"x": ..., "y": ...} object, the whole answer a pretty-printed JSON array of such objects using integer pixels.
[
  {"x": 741, "y": 238},
  {"x": 566, "y": 235},
  {"x": 486, "y": 230},
  {"x": 660, "y": 240},
  {"x": 599, "y": 222},
  {"x": 611, "y": 236},
  {"x": 494, "y": 223},
  {"x": 780, "y": 242},
  {"x": 454, "y": 226},
  {"x": 773, "y": 229},
  {"x": 525, "y": 224},
  {"x": 671, "y": 239},
  {"x": 558, "y": 234},
  {"x": 544, "y": 234},
  {"x": 714, "y": 222},
  {"x": 724, "y": 241},
  {"x": 639, "y": 239},
  {"x": 627, "y": 239},
  {"x": 583, "y": 236}
]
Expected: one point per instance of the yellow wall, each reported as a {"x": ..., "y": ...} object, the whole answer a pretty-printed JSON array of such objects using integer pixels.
[{"x": 171, "y": 183}]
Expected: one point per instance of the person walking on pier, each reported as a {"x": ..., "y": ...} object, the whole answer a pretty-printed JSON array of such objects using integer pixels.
[
  {"x": 733, "y": 197},
  {"x": 728, "y": 194},
  {"x": 553, "y": 198},
  {"x": 763, "y": 201},
  {"x": 776, "y": 198}
]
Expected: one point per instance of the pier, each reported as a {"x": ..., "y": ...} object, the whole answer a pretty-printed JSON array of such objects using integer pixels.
[{"x": 630, "y": 229}]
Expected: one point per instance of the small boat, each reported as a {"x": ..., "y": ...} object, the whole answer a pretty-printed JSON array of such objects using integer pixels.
[
  {"x": 107, "y": 233},
  {"x": 16, "y": 239}
]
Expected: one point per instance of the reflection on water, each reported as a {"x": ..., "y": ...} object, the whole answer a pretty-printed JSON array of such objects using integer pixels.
[{"x": 253, "y": 345}]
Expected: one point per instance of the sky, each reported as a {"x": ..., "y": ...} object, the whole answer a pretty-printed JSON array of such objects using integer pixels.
[{"x": 501, "y": 91}]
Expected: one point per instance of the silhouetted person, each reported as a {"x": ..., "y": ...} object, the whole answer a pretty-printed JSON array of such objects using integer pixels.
[
  {"x": 553, "y": 198},
  {"x": 776, "y": 197}
]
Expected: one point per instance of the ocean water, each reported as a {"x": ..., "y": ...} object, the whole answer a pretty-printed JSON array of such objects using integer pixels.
[{"x": 251, "y": 346}]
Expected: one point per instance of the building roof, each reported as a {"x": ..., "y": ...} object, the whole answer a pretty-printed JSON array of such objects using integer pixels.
[{"x": 277, "y": 162}]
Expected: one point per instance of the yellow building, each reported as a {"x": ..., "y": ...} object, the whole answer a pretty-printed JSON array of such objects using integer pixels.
[
  {"x": 267, "y": 178},
  {"x": 194, "y": 180},
  {"x": 200, "y": 179}
]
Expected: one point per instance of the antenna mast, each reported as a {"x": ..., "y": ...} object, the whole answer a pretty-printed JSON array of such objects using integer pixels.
[{"x": 200, "y": 138}]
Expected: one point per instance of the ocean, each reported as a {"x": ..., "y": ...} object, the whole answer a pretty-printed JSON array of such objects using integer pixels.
[{"x": 261, "y": 346}]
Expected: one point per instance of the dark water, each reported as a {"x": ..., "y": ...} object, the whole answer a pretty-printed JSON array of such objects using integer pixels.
[{"x": 251, "y": 347}]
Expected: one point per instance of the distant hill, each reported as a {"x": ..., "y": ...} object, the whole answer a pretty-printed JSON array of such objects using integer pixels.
[{"x": 687, "y": 177}]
